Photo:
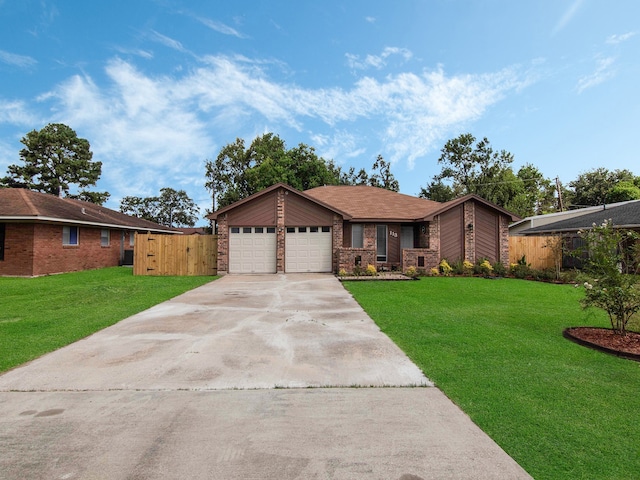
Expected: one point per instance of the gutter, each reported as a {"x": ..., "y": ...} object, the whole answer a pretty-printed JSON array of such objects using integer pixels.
[{"x": 80, "y": 222}]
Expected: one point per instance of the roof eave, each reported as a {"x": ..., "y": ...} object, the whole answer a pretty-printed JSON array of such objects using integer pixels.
[{"x": 41, "y": 219}]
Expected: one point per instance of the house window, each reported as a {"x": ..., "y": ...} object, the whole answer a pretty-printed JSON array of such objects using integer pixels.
[
  {"x": 70, "y": 236},
  {"x": 132, "y": 237},
  {"x": 406, "y": 237},
  {"x": 357, "y": 235},
  {"x": 105, "y": 237},
  {"x": 2, "y": 236},
  {"x": 381, "y": 237}
]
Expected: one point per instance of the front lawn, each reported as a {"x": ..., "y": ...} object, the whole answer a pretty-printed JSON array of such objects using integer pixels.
[
  {"x": 39, "y": 315},
  {"x": 495, "y": 347}
]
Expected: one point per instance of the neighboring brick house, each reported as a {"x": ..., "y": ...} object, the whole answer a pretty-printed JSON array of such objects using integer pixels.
[
  {"x": 330, "y": 228},
  {"x": 42, "y": 234}
]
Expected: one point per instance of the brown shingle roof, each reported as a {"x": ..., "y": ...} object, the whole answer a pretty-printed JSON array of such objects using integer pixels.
[
  {"x": 17, "y": 204},
  {"x": 366, "y": 203}
]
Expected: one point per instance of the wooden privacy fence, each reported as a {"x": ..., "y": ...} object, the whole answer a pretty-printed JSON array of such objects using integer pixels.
[
  {"x": 538, "y": 251},
  {"x": 184, "y": 255}
]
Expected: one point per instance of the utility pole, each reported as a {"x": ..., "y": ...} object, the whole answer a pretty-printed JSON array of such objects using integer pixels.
[{"x": 560, "y": 204}]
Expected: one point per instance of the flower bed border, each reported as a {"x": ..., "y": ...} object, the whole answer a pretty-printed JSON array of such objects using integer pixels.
[{"x": 566, "y": 333}]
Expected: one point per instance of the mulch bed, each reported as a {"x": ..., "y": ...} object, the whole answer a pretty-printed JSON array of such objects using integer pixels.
[
  {"x": 381, "y": 276},
  {"x": 606, "y": 340}
]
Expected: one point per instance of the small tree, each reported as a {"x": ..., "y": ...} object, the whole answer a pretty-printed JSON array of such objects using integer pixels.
[{"x": 610, "y": 269}]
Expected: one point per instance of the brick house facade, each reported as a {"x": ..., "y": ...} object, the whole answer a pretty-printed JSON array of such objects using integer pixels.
[
  {"x": 367, "y": 226},
  {"x": 42, "y": 234}
]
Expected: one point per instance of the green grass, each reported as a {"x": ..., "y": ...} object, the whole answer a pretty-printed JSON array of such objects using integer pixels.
[
  {"x": 495, "y": 347},
  {"x": 39, "y": 315}
]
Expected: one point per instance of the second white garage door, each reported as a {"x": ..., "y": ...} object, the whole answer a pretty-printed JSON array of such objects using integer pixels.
[
  {"x": 252, "y": 250},
  {"x": 308, "y": 249}
]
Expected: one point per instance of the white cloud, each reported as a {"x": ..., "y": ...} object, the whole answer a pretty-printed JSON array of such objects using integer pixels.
[
  {"x": 376, "y": 61},
  {"x": 616, "y": 39},
  {"x": 604, "y": 72},
  {"x": 167, "y": 41},
  {"x": 156, "y": 131},
  {"x": 370, "y": 19},
  {"x": 567, "y": 16},
  {"x": 220, "y": 27},
  {"x": 22, "y": 61},
  {"x": 138, "y": 52},
  {"x": 16, "y": 112}
]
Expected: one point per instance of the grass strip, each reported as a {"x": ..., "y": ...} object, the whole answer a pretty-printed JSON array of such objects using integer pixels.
[
  {"x": 495, "y": 347},
  {"x": 39, "y": 315}
]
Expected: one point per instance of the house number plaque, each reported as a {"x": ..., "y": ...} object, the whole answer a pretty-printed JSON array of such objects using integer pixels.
[{"x": 393, "y": 234}]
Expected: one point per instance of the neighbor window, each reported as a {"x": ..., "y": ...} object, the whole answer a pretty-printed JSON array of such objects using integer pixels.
[
  {"x": 70, "y": 235},
  {"x": 2, "y": 235},
  {"x": 132, "y": 237},
  {"x": 357, "y": 235},
  {"x": 105, "y": 237}
]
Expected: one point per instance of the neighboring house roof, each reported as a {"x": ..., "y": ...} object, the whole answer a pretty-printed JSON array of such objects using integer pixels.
[
  {"x": 194, "y": 230},
  {"x": 539, "y": 220},
  {"x": 20, "y": 205},
  {"x": 214, "y": 215},
  {"x": 623, "y": 215}
]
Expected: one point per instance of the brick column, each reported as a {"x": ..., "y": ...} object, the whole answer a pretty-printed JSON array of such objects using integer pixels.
[
  {"x": 470, "y": 234},
  {"x": 280, "y": 231},
  {"x": 223, "y": 244}
]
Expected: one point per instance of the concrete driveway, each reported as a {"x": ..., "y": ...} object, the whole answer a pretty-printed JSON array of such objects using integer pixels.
[{"x": 214, "y": 384}]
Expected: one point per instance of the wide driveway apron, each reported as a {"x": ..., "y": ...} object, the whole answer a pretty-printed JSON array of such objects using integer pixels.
[{"x": 213, "y": 384}]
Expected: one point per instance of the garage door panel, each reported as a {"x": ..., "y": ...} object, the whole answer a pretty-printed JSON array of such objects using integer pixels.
[
  {"x": 252, "y": 250},
  {"x": 308, "y": 251}
]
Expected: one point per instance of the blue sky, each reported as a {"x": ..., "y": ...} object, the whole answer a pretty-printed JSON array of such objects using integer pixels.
[{"x": 160, "y": 86}]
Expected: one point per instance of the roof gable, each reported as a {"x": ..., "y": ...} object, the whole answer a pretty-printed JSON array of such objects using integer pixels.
[
  {"x": 266, "y": 191},
  {"x": 17, "y": 204},
  {"x": 472, "y": 196}
]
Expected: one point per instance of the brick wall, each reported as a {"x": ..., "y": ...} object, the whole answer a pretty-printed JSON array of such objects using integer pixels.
[
  {"x": 280, "y": 231},
  {"x": 338, "y": 233},
  {"x": 411, "y": 258},
  {"x": 50, "y": 256},
  {"x": 18, "y": 253},
  {"x": 347, "y": 258},
  {"x": 36, "y": 249}
]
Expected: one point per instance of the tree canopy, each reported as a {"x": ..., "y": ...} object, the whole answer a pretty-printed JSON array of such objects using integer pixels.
[
  {"x": 599, "y": 186},
  {"x": 55, "y": 158},
  {"x": 172, "y": 208},
  {"x": 470, "y": 166},
  {"x": 240, "y": 171}
]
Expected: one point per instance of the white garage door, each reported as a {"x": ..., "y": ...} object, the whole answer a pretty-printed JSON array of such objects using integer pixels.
[
  {"x": 308, "y": 249},
  {"x": 252, "y": 250}
]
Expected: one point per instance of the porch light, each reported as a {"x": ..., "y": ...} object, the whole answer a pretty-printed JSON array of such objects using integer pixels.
[{"x": 470, "y": 227}]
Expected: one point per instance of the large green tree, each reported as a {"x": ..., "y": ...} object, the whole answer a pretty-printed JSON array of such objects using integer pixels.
[
  {"x": 471, "y": 166},
  {"x": 55, "y": 158},
  {"x": 172, "y": 208},
  {"x": 240, "y": 171},
  {"x": 600, "y": 185}
]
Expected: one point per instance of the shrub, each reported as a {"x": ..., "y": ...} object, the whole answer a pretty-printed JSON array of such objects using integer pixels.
[
  {"x": 467, "y": 267},
  {"x": 435, "y": 272},
  {"x": 483, "y": 267},
  {"x": 607, "y": 286},
  {"x": 342, "y": 273},
  {"x": 499, "y": 269},
  {"x": 371, "y": 270},
  {"x": 519, "y": 270},
  {"x": 411, "y": 272},
  {"x": 444, "y": 267}
]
